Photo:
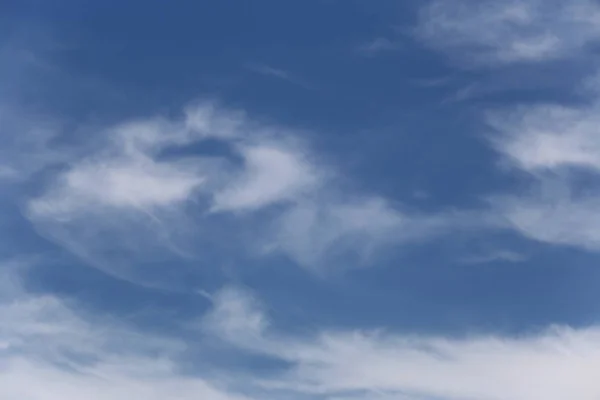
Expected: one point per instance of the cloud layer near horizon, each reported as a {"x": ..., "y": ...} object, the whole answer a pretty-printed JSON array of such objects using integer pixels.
[
  {"x": 70, "y": 354},
  {"x": 553, "y": 364}
]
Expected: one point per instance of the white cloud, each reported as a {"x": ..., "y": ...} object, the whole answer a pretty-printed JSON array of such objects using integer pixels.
[
  {"x": 140, "y": 183},
  {"x": 119, "y": 379},
  {"x": 555, "y": 145},
  {"x": 50, "y": 351},
  {"x": 552, "y": 143},
  {"x": 128, "y": 170},
  {"x": 317, "y": 233},
  {"x": 554, "y": 218},
  {"x": 556, "y": 364},
  {"x": 237, "y": 317},
  {"x": 124, "y": 173},
  {"x": 502, "y": 32},
  {"x": 206, "y": 119},
  {"x": 495, "y": 256},
  {"x": 271, "y": 174},
  {"x": 134, "y": 196},
  {"x": 121, "y": 200},
  {"x": 549, "y": 137}
]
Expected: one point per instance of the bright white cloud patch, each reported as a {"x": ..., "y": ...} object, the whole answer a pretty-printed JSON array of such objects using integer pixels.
[
  {"x": 553, "y": 365},
  {"x": 550, "y": 137},
  {"x": 135, "y": 183},
  {"x": 271, "y": 174},
  {"x": 502, "y": 32},
  {"x": 123, "y": 174}
]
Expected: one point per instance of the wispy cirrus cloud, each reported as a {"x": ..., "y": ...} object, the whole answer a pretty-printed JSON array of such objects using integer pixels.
[
  {"x": 378, "y": 45},
  {"x": 278, "y": 73},
  {"x": 516, "y": 31},
  {"x": 495, "y": 256},
  {"x": 265, "y": 69},
  {"x": 317, "y": 232},
  {"x": 134, "y": 189}
]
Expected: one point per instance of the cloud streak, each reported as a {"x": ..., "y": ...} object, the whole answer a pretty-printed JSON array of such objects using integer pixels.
[
  {"x": 277, "y": 73},
  {"x": 500, "y": 33}
]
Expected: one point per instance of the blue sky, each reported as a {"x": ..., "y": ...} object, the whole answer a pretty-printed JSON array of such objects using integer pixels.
[{"x": 340, "y": 200}]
